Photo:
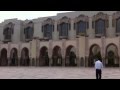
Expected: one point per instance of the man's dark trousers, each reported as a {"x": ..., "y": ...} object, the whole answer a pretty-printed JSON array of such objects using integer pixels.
[{"x": 98, "y": 73}]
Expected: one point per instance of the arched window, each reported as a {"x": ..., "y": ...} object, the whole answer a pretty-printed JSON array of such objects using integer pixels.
[
  {"x": 29, "y": 31},
  {"x": 47, "y": 31},
  {"x": 81, "y": 24},
  {"x": 48, "y": 28},
  {"x": 100, "y": 27},
  {"x": 8, "y": 31},
  {"x": 63, "y": 32},
  {"x": 63, "y": 27},
  {"x": 118, "y": 25},
  {"x": 81, "y": 27}
]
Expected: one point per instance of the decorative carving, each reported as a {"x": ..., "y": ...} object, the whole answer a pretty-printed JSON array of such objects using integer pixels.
[
  {"x": 100, "y": 15},
  {"x": 81, "y": 18},
  {"x": 48, "y": 21},
  {"x": 64, "y": 19}
]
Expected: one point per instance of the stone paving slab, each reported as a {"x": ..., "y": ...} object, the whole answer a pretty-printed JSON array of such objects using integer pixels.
[{"x": 56, "y": 73}]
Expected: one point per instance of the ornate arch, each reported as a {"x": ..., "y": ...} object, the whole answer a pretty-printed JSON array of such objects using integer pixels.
[
  {"x": 14, "y": 57},
  {"x": 3, "y": 57},
  {"x": 112, "y": 57},
  {"x": 43, "y": 56},
  {"x": 48, "y": 21},
  {"x": 94, "y": 53},
  {"x": 56, "y": 56},
  {"x": 81, "y": 17},
  {"x": 64, "y": 19},
  {"x": 70, "y": 57}
]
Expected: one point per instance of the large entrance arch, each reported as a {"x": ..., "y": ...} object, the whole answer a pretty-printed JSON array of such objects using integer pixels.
[
  {"x": 3, "y": 58},
  {"x": 95, "y": 53},
  {"x": 57, "y": 56},
  {"x": 70, "y": 56},
  {"x": 44, "y": 58},
  {"x": 14, "y": 57},
  {"x": 112, "y": 59},
  {"x": 25, "y": 60}
]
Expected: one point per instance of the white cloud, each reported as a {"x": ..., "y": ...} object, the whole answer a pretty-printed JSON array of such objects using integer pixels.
[{"x": 23, "y": 15}]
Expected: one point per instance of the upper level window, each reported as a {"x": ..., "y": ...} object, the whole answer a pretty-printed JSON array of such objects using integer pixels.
[
  {"x": 100, "y": 27},
  {"x": 81, "y": 24},
  {"x": 116, "y": 22},
  {"x": 8, "y": 31},
  {"x": 100, "y": 24},
  {"x": 63, "y": 27},
  {"x": 29, "y": 31},
  {"x": 118, "y": 25},
  {"x": 48, "y": 28},
  {"x": 81, "y": 27}
]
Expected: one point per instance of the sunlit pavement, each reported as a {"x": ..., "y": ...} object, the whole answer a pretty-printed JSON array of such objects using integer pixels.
[{"x": 56, "y": 73}]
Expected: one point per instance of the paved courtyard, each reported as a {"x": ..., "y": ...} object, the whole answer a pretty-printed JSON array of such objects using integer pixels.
[{"x": 56, "y": 73}]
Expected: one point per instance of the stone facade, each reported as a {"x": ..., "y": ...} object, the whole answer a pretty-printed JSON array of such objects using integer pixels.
[{"x": 40, "y": 51}]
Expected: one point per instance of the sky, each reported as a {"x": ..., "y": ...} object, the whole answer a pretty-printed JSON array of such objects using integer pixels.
[{"x": 23, "y": 15}]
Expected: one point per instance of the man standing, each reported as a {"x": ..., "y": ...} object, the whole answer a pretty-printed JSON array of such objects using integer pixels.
[{"x": 98, "y": 67}]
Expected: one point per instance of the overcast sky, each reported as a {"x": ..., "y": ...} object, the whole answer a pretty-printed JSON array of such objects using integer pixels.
[{"x": 23, "y": 15}]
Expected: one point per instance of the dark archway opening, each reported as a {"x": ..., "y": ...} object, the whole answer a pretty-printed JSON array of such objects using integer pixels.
[
  {"x": 93, "y": 55},
  {"x": 25, "y": 60},
  {"x": 44, "y": 58},
  {"x": 112, "y": 59},
  {"x": 70, "y": 56},
  {"x": 3, "y": 59},
  {"x": 14, "y": 57},
  {"x": 57, "y": 57}
]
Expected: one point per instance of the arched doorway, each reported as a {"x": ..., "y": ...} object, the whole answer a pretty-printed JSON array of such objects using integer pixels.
[
  {"x": 25, "y": 60},
  {"x": 70, "y": 56},
  {"x": 112, "y": 59},
  {"x": 3, "y": 58},
  {"x": 44, "y": 58},
  {"x": 56, "y": 56},
  {"x": 94, "y": 54},
  {"x": 14, "y": 57}
]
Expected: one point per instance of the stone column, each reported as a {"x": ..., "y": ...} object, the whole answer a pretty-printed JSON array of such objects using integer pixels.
[
  {"x": 19, "y": 60},
  {"x": 63, "y": 61},
  {"x": 63, "y": 52},
  {"x": 19, "y": 54},
  {"x": 91, "y": 31},
  {"x": 8, "y": 54},
  {"x": 77, "y": 52},
  {"x": 50, "y": 61},
  {"x": 30, "y": 64},
  {"x": 50, "y": 53},
  {"x": 37, "y": 61},
  {"x": 30, "y": 54},
  {"x": 37, "y": 52},
  {"x": 111, "y": 30},
  {"x": 72, "y": 31},
  {"x": 86, "y": 61},
  {"x": 86, "y": 51},
  {"x": 55, "y": 35},
  {"x": 103, "y": 53}
]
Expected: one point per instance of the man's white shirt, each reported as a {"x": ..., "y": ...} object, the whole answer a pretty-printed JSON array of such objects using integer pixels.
[{"x": 98, "y": 65}]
